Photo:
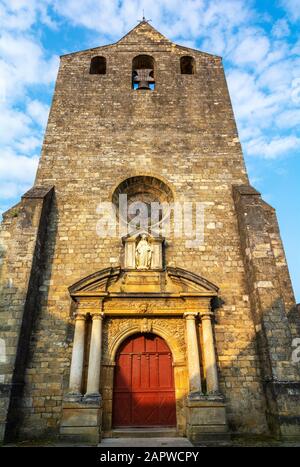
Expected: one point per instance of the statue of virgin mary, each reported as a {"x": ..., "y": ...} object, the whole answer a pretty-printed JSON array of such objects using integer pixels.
[{"x": 143, "y": 254}]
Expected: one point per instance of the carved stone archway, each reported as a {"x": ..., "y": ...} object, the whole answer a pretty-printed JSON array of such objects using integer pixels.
[
  {"x": 172, "y": 342},
  {"x": 174, "y": 304}
]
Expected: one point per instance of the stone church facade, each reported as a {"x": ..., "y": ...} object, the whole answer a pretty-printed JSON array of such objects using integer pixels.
[{"x": 100, "y": 334}]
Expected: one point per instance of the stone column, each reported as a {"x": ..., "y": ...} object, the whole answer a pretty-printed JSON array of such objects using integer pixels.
[
  {"x": 77, "y": 356},
  {"x": 93, "y": 379},
  {"x": 212, "y": 382},
  {"x": 193, "y": 354}
]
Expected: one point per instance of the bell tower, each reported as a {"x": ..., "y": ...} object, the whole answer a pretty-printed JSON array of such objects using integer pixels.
[{"x": 83, "y": 295}]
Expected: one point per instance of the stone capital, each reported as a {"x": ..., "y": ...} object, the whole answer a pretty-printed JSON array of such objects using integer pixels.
[
  {"x": 97, "y": 315},
  {"x": 190, "y": 315},
  {"x": 80, "y": 317},
  {"x": 208, "y": 315}
]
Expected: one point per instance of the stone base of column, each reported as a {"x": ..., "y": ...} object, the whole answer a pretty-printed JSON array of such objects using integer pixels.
[
  {"x": 73, "y": 397},
  {"x": 81, "y": 421},
  {"x": 206, "y": 419},
  {"x": 196, "y": 396},
  {"x": 94, "y": 398}
]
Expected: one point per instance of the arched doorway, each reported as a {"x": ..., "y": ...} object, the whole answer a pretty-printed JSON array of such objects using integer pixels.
[{"x": 144, "y": 393}]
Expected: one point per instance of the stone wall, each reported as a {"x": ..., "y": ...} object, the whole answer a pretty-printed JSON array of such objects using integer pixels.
[
  {"x": 273, "y": 302},
  {"x": 22, "y": 239}
]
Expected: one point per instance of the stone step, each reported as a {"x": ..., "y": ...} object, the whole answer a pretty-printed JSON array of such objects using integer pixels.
[
  {"x": 145, "y": 442},
  {"x": 144, "y": 433}
]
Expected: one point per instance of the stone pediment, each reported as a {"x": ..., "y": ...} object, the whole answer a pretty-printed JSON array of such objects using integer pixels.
[
  {"x": 144, "y": 33},
  {"x": 190, "y": 282},
  {"x": 97, "y": 282},
  {"x": 118, "y": 282}
]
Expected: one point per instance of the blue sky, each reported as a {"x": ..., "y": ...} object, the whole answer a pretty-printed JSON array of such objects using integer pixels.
[{"x": 259, "y": 41}]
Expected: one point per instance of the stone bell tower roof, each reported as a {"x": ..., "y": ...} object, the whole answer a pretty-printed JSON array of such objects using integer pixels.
[
  {"x": 143, "y": 35},
  {"x": 144, "y": 32}
]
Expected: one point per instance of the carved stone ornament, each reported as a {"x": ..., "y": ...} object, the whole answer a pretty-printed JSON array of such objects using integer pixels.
[
  {"x": 145, "y": 308},
  {"x": 146, "y": 326}
]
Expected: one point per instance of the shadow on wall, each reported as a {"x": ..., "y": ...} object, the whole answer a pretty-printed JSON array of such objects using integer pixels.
[
  {"x": 277, "y": 398},
  {"x": 40, "y": 272}
]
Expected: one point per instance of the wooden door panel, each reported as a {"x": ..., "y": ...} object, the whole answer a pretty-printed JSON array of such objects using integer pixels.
[
  {"x": 138, "y": 344},
  {"x": 144, "y": 393},
  {"x": 165, "y": 377},
  {"x": 150, "y": 344},
  {"x": 166, "y": 411},
  {"x": 123, "y": 372},
  {"x": 144, "y": 410},
  {"x": 145, "y": 370},
  {"x": 127, "y": 347},
  {"x": 161, "y": 346},
  {"x": 122, "y": 409},
  {"x": 136, "y": 372},
  {"x": 154, "y": 371}
]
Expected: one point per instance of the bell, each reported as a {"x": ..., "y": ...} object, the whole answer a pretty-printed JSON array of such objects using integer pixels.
[
  {"x": 143, "y": 78},
  {"x": 144, "y": 84}
]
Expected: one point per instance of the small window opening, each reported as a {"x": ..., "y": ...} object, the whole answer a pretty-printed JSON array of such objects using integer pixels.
[
  {"x": 187, "y": 65},
  {"x": 143, "y": 72},
  {"x": 98, "y": 66}
]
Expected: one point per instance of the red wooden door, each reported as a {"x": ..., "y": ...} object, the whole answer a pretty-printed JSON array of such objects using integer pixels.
[{"x": 144, "y": 393}]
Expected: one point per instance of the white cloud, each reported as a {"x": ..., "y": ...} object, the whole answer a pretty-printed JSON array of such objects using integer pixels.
[
  {"x": 101, "y": 16},
  {"x": 18, "y": 15},
  {"x": 28, "y": 144},
  {"x": 14, "y": 125},
  {"x": 248, "y": 99},
  {"x": 21, "y": 15},
  {"x": 273, "y": 148},
  {"x": 252, "y": 49},
  {"x": 288, "y": 119},
  {"x": 19, "y": 130},
  {"x": 9, "y": 190},
  {"x": 296, "y": 48},
  {"x": 264, "y": 87},
  {"x": 17, "y": 168},
  {"x": 280, "y": 74},
  {"x": 23, "y": 63},
  {"x": 281, "y": 28},
  {"x": 292, "y": 7},
  {"x": 38, "y": 112}
]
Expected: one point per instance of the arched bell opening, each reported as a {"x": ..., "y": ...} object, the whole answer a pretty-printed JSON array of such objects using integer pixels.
[
  {"x": 143, "y": 72},
  {"x": 187, "y": 65}
]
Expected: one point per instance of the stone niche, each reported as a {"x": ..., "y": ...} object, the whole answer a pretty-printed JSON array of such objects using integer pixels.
[{"x": 152, "y": 257}]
